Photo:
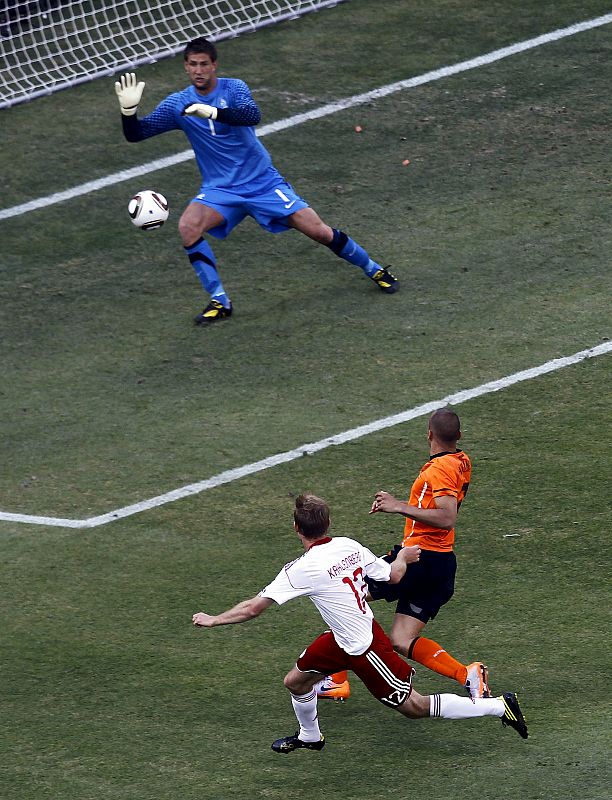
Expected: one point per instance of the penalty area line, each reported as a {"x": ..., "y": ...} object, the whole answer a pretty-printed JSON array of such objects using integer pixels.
[
  {"x": 316, "y": 113},
  {"x": 314, "y": 447}
]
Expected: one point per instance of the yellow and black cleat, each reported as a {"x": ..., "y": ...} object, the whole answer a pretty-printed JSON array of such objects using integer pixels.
[
  {"x": 213, "y": 312},
  {"x": 513, "y": 716},
  {"x": 385, "y": 281}
]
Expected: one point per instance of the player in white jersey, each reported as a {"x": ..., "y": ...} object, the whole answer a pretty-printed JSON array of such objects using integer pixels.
[{"x": 332, "y": 573}]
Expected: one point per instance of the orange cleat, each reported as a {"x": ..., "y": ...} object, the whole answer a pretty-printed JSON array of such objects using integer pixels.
[
  {"x": 335, "y": 691},
  {"x": 477, "y": 683}
]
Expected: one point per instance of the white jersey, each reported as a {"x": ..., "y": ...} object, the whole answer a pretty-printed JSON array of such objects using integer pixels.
[{"x": 332, "y": 574}]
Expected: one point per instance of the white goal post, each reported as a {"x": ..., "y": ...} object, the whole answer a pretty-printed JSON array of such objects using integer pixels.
[{"x": 47, "y": 45}]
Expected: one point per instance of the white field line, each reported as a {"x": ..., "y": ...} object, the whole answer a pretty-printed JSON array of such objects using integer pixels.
[
  {"x": 314, "y": 447},
  {"x": 317, "y": 113}
]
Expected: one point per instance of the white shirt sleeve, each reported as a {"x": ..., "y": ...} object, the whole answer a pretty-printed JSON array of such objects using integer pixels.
[
  {"x": 375, "y": 568},
  {"x": 289, "y": 583}
]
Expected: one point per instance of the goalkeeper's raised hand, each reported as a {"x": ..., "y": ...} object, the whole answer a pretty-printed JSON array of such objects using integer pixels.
[
  {"x": 200, "y": 110},
  {"x": 129, "y": 93}
]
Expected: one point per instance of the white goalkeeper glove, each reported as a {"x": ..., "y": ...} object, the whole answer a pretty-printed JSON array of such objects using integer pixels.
[
  {"x": 129, "y": 93},
  {"x": 201, "y": 110}
]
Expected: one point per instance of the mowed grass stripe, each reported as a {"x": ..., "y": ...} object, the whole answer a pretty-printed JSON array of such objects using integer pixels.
[
  {"x": 309, "y": 449},
  {"x": 317, "y": 113}
]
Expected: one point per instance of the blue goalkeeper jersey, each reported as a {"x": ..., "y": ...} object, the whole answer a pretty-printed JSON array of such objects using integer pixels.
[{"x": 229, "y": 156}]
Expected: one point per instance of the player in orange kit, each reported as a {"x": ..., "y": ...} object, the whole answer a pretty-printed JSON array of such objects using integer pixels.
[{"x": 430, "y": 512}]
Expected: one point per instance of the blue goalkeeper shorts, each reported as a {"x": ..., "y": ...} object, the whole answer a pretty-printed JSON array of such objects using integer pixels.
[{"x": 269, "y": 207}]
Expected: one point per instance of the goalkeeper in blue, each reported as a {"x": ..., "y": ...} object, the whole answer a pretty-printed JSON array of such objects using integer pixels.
[{"x": 218, "y": 116}]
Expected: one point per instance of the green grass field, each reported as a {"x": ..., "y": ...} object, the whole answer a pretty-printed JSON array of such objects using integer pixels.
[{"x": 499, "y": 231}]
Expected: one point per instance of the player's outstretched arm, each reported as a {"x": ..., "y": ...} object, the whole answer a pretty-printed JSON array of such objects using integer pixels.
[
  {"x": 407, "y": 555},
  {"x": 248, "y": 609},
  {"x": 129, "y": 92}
]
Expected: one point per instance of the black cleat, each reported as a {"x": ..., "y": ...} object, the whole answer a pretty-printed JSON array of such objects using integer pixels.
[
  {"x": 513, "y": 716},
  {"x": 213, "y": 312},
  {"x": 385, "y": 281},
  {"x": 291, "y": 743}
]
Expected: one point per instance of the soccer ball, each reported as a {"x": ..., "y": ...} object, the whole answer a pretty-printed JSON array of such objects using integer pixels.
[{"x": 148, "y": 210}]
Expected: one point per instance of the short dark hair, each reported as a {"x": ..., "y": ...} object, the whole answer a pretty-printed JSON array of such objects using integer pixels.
[
  {"x": 444, "y": 424},
  {"x": 200, "y": 45},
  {"x": 311, "y": 516}
]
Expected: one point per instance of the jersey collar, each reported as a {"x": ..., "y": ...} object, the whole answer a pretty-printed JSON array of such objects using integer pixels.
[
  {"x": 445, "y": 453},
  {"x": 324, "y": 540}
]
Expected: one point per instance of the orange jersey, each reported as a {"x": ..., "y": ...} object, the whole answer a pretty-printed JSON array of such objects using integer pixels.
[{"x": 444, "y": 474}]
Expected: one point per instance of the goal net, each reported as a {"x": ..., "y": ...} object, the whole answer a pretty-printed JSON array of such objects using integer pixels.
[{"x": 47, "y": 45}]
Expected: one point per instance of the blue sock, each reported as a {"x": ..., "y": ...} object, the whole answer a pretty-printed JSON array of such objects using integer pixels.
[
  {"x": 343, "y": 246},
  {"x": 203, "y": 262}
]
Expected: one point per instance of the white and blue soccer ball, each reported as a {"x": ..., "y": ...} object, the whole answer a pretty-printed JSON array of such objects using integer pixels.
[{"x": 148, "y": 210}]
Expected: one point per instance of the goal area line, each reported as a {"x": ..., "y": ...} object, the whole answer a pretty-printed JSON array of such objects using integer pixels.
[
  {"x": 314, "y": 447},
  {"x": 317, "y": 113}
]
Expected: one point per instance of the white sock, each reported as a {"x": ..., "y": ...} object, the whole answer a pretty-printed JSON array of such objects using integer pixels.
[
  {"x": 305, "y": 707},
  {"x": 451, "y": 706}
]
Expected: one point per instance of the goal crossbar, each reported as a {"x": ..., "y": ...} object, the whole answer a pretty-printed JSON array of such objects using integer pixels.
[{"x": 48, "y": 45}]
